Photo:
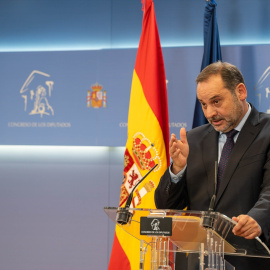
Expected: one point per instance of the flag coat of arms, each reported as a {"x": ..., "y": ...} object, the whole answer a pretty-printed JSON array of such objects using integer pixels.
[{"x": 148, "y": 137}]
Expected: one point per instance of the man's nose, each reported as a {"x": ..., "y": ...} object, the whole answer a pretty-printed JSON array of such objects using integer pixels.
[{"x": 210, "y": 112}]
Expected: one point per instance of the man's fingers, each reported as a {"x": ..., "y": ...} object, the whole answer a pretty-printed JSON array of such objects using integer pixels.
[
  {"x": 248, "y": 232},
  {"x": 246, "y": 227},
  {"x": 183, "y": 135},
  {"x": 241, "y": 222},
  {"x": 175, "y": 153},
  {"x": 173, "y": 140}
]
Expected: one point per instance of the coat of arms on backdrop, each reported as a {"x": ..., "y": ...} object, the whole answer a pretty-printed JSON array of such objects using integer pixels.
[{"x": 97, "y": 98}]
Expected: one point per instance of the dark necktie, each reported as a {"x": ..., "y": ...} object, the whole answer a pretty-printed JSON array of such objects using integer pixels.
[{"x": 226, "y": 151}]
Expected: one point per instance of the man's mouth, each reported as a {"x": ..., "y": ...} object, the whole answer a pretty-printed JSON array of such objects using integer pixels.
[{"x": 216, "y": 122}]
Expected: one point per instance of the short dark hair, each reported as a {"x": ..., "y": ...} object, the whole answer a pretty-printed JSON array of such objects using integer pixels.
[{"x": 230, "y": 74}]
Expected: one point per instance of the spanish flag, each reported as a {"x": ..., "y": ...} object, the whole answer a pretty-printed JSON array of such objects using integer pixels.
[{"x": 148, "y": 137}]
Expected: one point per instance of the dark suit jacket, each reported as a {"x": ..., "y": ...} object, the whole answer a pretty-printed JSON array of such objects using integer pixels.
[{"x": 245, "y": 188}]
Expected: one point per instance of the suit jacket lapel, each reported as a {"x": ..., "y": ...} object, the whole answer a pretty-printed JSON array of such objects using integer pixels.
[
  {"x": 246, "y": 136},
  {"x": 210, "y": 155}
]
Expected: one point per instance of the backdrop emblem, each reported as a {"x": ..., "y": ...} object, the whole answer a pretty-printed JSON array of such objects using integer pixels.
[
  {"x": 97, "y": 98},
  {"x": 36, "y": 92}
]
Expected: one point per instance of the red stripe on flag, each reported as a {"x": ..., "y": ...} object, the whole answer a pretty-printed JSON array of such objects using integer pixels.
[
  {"x": 149, "y": 77},
  {"x": 150, "y": 69},
  {"x": 119, "y": 259}
]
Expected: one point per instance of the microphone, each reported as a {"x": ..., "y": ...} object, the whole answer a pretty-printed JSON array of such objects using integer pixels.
[
  {"x": 208, "y": 219},
  {"x": 213, "y": 199},
  {"x": 123, "y": 214}
]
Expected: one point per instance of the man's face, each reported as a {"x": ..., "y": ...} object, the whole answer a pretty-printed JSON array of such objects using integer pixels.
[{"x": 222, "y": 109}]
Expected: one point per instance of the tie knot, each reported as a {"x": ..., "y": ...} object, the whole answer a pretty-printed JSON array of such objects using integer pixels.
[{"x": 231, "y": 133}]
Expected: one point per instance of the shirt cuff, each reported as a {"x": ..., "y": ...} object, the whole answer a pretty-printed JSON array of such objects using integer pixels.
[{"x": 175, "y": 178}]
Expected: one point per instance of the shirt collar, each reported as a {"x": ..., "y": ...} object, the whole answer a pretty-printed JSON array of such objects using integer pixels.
[{"x": 244, "y": 119}]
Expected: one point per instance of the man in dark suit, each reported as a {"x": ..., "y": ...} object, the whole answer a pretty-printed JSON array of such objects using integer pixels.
[{"x": 243, "y": 193}]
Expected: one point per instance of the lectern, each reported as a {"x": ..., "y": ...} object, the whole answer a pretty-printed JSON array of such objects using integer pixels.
[{"x": 207, "y": 236}]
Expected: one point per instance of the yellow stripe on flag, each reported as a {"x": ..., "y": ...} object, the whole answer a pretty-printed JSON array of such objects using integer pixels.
[
  {"x": 148, "y": 136},
  {"x": 142, "y": 119}
]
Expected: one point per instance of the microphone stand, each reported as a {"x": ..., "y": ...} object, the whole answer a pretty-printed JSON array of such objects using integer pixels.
[
  {"x": 208, "y": 219},
  {"x": 123, "y": 214}
]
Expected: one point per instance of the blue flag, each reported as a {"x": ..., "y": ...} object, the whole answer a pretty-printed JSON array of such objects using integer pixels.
[{"x": 212, "y": 52}]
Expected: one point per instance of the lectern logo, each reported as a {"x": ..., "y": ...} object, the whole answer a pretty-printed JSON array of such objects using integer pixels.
[
  {"x": 155, "y": 225},
  {"x": 36, "y": 93},
  {"x": 263, "y": 91}
]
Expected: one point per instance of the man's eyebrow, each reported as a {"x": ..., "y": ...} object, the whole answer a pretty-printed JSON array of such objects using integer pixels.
[{"x": 214, "y": 97}]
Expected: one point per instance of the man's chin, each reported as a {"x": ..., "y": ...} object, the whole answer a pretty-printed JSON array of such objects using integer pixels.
[
  {"x": 222, "y": 129},
  {"x": 220, "y": 125},
  {"x": 219, "y": 128}
]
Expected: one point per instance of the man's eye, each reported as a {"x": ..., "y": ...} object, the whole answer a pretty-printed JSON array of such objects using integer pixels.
[{"x": 216, "y": 101}]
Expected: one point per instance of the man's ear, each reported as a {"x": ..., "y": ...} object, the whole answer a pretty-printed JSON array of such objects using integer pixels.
[{"x": 241, "y": 91}]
